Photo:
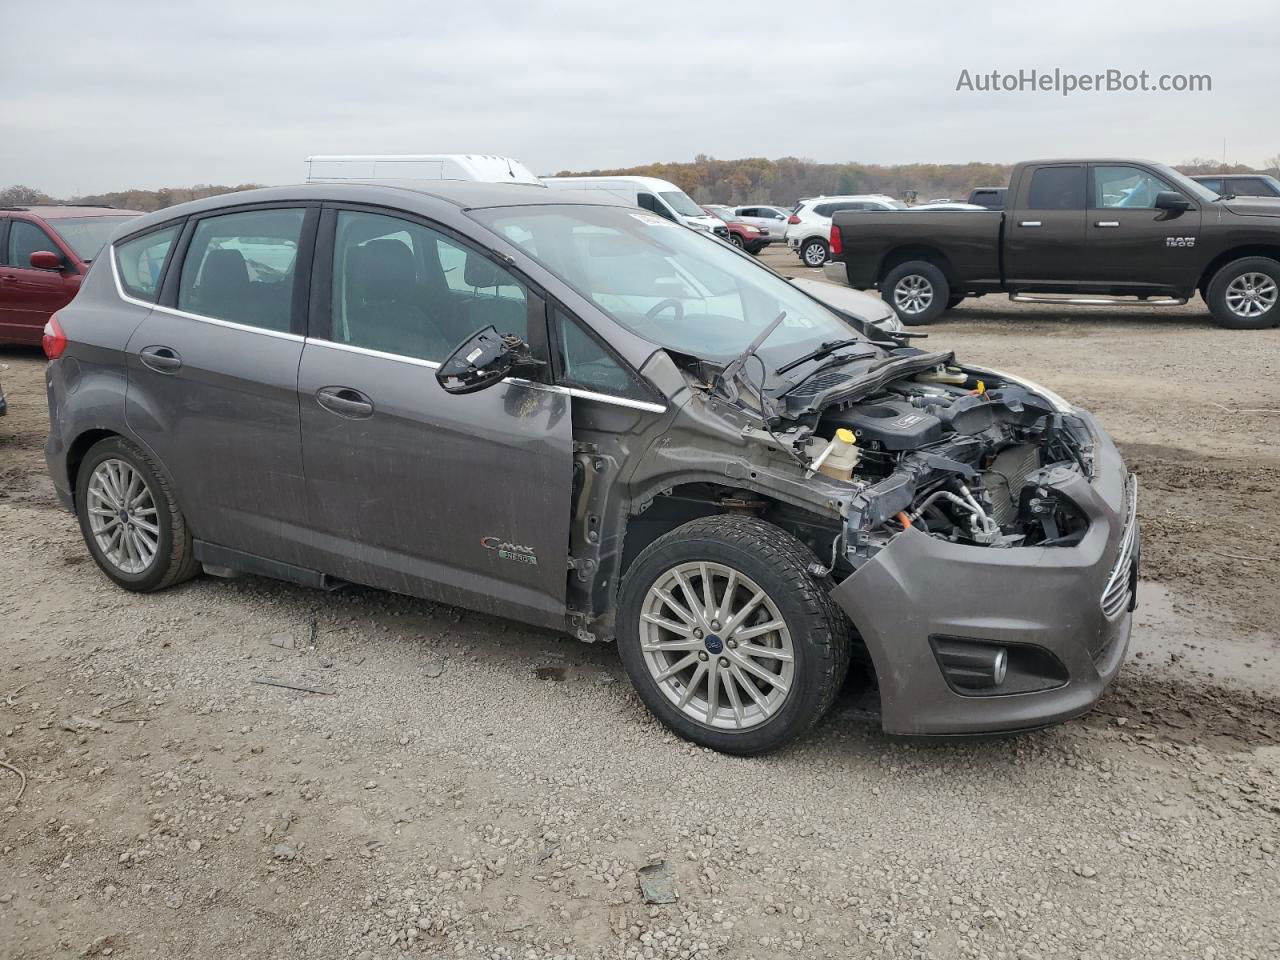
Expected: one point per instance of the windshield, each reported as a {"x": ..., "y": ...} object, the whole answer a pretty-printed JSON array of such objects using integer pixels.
[
  {"x": 679, "y": 201},
  {"x": 87, "y": 235},
  {"x": 671, "y": 285},
  {"x": 1197, "y": 190}
]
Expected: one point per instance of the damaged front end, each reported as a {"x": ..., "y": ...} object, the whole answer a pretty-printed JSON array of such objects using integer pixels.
[{"x": 988, "y": 549}]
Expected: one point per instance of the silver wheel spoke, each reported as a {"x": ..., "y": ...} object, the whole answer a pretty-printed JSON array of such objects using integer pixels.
[
  {"x": 676, "y": 667},
  {"x": 747, "y": 633},
  {"x": 672, "y": 646},
  {"x": 757, "y": 671},
  {"x": 678, "y": 610},
  {"x": 735, "y": 699},
  {"x": 713, "y": 690},
  {"x": 741, "y": 615},
  {"x": 692, "y": 685},
  {"x": 752, "y": 690},
  {"x": 683, "y": 629},
  {"x": 754, "y": 650}
]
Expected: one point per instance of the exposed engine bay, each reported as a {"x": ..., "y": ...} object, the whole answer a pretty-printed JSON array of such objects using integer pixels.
[{"x": 960, "y": 454}]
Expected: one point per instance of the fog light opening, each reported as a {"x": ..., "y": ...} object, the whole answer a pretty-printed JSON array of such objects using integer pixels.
[{"x": 971, "y": 664}]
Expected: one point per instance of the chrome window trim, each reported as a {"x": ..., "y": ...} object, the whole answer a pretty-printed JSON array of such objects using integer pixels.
[
  {"x": 581, "y": 394},
  {"x": 173, "y": 312}
]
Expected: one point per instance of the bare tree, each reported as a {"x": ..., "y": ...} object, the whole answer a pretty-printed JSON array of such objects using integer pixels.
[{"x": 19, "y": 195}]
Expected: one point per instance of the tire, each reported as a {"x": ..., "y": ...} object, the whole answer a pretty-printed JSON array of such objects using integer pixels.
[
  {"x": 736, "y": 240},
  {"x": 172, "y": 559},
  {"x": 1245, "y": 294},
  {"x": 813, "y": 252},
  {"x": 760, "y": 557},
  {"x": 918, "y": 292}
]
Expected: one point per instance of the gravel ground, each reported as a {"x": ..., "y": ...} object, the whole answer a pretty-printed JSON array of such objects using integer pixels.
[{"x": 467, "y": 787}]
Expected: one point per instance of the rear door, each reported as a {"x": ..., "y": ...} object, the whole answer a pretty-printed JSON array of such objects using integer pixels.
[
  {"x": 213, "y": 374},
  {"x": 463, "y": 499},
  {"x": 1132, "y": 245},
  {"x": 1045, "y": 228},
  {"x": 29, "y": 295}
]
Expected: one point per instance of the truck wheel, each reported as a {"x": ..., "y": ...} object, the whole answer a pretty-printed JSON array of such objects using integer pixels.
[
  {"x": 130, "y": 520},
  {"x": 735, "y": 240},
  {"x": 727, "y": 637},
  {"x": 814, "y": 252},
  {"x": 1243, "y": 295},
  {"x": 917, "y": 291}
]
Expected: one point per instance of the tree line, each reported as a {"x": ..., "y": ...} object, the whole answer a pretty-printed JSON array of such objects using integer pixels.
[{"x": 707, "y": 180}]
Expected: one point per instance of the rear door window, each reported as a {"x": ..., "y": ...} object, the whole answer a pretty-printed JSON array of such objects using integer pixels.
[
  {"x": 140, "y": 262},
  {"x": 1057, "y": 188},
  {"x": 400, "y": 287},
  {"x": 240, "y": 267}
]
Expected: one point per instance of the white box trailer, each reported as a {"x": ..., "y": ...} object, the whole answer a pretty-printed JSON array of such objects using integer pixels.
[{"x": 485, "y": 167}]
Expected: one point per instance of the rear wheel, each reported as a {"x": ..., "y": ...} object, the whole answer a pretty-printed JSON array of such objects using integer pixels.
[
  {"x": 130, "y": 520},
  {"x": 1245, "y": 294},
  {"x": 728, "y": 638},
  {"x": 917, "y": 290},
  {"x": 814, "y": 252}
]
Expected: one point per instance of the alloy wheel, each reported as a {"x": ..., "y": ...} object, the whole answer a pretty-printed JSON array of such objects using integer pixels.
[
  {"x": 913, "y": 294},
  {"x": 1251, "y": 295},
  {"x": 716, "y": 645},
  {"x": 815, "y": 255},
  {"x": 123, "y": 517}
]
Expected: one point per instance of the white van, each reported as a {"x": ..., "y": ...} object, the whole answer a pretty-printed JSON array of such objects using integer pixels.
[
  {"x": 421, "y": 166},
  {"x": 649, "y": 193}
]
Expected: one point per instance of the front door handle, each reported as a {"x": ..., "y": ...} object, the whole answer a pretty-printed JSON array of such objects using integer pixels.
[
  {"x": 160, "y": 359},
  {"x": 1029, "y": 223},
  {"x": 345, "y": 402},
  {"x": 1107, "y": 223}
]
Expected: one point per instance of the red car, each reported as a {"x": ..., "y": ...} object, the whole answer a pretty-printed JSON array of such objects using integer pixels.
[
  {"x": 44, "y": 254},
  {"x": 750, "y": 238}
]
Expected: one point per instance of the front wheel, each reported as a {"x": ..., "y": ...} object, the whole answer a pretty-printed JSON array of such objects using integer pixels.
[
  {"x": 736, "y": 240},
  {"x": 918, "y": 292},
  {"x": 1244, "y": 294},
  {"x": 130, "y": 520},
  {"x": 727, "y": 637},
  {"x": 814, "y": 252}
]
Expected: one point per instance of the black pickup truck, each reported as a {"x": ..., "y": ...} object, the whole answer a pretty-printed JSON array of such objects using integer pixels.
[{"x": 1076, "y": 232}]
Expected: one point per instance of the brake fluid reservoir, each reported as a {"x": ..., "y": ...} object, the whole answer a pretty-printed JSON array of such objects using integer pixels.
[{"x": 839, "y": 463}]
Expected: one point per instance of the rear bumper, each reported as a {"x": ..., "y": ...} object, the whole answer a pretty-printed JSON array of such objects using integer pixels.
[{"x": 1043, "y": 604}]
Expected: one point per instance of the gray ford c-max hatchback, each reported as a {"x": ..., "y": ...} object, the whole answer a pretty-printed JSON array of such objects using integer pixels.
[{"x": 565, "y": 410}]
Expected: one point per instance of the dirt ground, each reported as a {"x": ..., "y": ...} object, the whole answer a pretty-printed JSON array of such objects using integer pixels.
[{"x": 469, "y": 787}]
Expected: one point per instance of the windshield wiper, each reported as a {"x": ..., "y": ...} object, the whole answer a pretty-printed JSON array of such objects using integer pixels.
[
  {"x": 828, "y": 348},
  {"x": 730, "y": 373}
]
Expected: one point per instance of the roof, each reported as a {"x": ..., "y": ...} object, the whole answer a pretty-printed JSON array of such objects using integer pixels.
[
  {"x": 464, "y": 194},
  {"x": 63, "y": 210}
]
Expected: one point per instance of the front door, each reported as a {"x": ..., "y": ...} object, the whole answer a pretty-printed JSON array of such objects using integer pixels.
[
  {"x": 1045, "y": 229},
  {"x": 213, "y": 376},
  {"x": 1132, "y": 245},
  {"x": 462, "y": 499},
  {"x": 29, "y": 295}
]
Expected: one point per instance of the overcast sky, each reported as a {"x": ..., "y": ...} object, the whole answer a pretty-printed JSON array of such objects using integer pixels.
[{"x": 105, "y": 96}]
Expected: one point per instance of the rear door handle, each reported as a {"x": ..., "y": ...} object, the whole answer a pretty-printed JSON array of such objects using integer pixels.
[
  {"x": 1029, "y": 223},
  {"x": 345, "y": 402},
  {"x": 1107, "y": 223},
  {"x": 160, "y": 359}
]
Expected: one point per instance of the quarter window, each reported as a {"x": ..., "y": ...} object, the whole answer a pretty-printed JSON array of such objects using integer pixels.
[
  {"x": 1057, "y": 188},
  {"x": 1125, "y": 187},
  {"x": 400, "y": 287},
  {"x": 141, "y": 261},
  {"x": 24, "y": 240},
  {"x": 585, "y": 363},
  {"x": 240, "y": 267}
]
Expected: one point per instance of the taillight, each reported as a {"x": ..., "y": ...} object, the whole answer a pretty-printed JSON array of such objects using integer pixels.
[
  {"x": 793, "y": 219},
  {"x": 836, "y": 244},
  {"x": 54, "y": 340}
]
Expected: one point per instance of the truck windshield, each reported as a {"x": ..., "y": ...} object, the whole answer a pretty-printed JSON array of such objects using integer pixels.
[
  {"x": 673, "y": 286},
  {"x": 679, "y": 201}
]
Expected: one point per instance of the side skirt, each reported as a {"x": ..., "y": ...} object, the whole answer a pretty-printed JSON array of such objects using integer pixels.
[{"x": 225, "y": 562}]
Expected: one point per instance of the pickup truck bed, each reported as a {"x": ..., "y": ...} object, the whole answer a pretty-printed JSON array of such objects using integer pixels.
[{"x": 1114, "y": 231}]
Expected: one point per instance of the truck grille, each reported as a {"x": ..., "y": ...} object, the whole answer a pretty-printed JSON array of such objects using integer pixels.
[{"x": 1119, "y": 590}]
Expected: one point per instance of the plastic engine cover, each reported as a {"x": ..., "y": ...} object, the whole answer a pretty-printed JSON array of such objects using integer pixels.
[{"x": 892, "y": 424}]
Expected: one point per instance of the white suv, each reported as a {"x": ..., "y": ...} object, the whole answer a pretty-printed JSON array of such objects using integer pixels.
[{"x": 809, "y": 226}]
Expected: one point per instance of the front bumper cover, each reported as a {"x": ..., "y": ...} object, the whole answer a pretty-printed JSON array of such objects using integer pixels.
[{"x": 1048, "y": 598}]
